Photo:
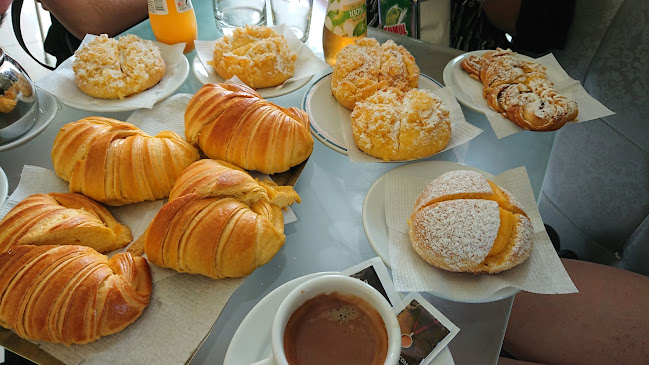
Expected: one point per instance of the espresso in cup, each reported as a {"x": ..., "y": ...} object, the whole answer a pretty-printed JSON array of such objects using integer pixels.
[{"x": 335, "y": 328}]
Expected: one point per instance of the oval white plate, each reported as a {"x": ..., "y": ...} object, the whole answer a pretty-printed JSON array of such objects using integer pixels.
[
  {"x": 209, "y": 76},
  {"x": 463, "y": 85},
  {"x": 376, "y": 228},
  {"x": 251, "y": 341},
  {"x": 171, "y": 81},
  {"x": 327, "y": 115},
  {"x": 4, "y": 187},
  {"x": 48, "y": 106}
]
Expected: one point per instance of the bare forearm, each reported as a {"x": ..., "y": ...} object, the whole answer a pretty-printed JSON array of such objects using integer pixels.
[
  {"x": 97, "y": 16},
  {"x": 503, "y": 14}
]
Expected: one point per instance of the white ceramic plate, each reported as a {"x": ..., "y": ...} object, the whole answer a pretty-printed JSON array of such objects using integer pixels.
[
  {"x": 376, "y": 228},
  {"x": 172, "y": 80},
  {"x": 458, "y": 79},
  {"x": 251, "y": 341},
  {"x": 47, "y": 106},
  {"x": 326, "y": 113},
  {"x": 209, "y": 76},
  {"x": 4, "y": 187}
]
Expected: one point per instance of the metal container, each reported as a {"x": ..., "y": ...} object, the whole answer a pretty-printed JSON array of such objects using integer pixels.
[{"x": 18, "y": 100}]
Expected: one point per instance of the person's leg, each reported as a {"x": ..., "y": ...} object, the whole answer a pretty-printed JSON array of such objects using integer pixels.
[
  {"x": 508, "y": 361},
  {"x": 607, "y": 322}
]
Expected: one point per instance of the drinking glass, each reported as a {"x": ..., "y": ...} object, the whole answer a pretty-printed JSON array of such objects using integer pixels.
[
  {"x": 230, "y": 14},
  {"x": 296, "y": 14}
]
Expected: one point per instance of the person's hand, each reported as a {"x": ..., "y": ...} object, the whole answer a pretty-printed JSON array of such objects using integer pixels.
[{"x": 4, "y": 6}]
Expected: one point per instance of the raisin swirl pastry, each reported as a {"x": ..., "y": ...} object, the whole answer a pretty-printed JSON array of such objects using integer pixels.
[{"x": 520, "y": 91}]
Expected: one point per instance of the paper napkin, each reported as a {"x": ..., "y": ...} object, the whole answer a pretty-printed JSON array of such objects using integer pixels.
[
  {"x": 61, "y": 84},
  {"x": 589, "y": 107},
  {"x": 541, "y": 273},
  {"x": 306, "y": 64}
]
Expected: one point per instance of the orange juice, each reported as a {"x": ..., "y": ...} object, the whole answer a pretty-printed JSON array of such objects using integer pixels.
[{"x": 173, "y": 21}]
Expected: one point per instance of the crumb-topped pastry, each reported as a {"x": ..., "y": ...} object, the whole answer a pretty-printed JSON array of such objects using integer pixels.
[
  {"x": 463, "y": 222},
  {"x": 520, "y": 90},
  {"x": 257, "y": 55},
  {"x": 393, "y": 125},
  {"x": 365, "y": 67},
  {"x": 108, "y": 68}
]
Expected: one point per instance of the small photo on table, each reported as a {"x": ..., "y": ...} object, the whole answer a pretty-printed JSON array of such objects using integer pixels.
[{"x": 423, "y": 334}]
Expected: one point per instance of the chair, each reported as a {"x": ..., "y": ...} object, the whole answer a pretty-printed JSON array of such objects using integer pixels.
[{"x": 596, "y": 190}]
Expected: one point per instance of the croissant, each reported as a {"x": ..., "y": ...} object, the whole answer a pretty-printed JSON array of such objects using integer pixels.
[
  {"x": 225, "y": 223},
  {"x": 520, "y": 91},
  {"x": 70, "y": 294},
  {"x": 463, "y": 222},
  {"x": 231, "y": 122},
  {"x": 116, "y": 163},
  {"x": 64, "y": 219}
]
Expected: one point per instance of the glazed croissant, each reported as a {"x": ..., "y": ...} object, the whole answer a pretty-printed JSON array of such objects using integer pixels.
[
  {"x": 231, "y": 122},
  {"x": 63, "y": 219},
  {"x": 463, "y": 222},
  {"x": 116, "y": 163},
  {"x": 70, "y": 294},
  {"x": 219, "y": 222},
  {"x": 520, "y": 91}
]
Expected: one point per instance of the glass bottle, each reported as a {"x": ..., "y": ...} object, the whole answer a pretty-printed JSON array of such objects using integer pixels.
[
  {"x": 345, "y": 21},
  {"x": 173, "y": 21}
]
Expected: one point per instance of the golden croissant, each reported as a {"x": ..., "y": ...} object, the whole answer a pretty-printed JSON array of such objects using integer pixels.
[
  {"x": 219, "y": 222},
  {"x": 116, "y": 163},
  {"x": 231, "y": 122},
  {"x": 70, "y": 294},
  {"x": 520, "y": 91},
  {"x": 63, "y": 219}
]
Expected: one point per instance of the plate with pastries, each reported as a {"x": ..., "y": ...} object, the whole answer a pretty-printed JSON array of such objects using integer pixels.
[
  {"x": 377, "y": 100},
  {"x": 446, "y": 223},
  {"x": 124, "y": 73},
  {"x": 270, "y": 60},
  {"x": 531, "y": 93}
]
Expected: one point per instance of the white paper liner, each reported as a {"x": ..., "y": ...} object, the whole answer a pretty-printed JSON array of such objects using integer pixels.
[
  {"x": 307, "y": 64},
  {"x": 61, "y": 83},
  {"x": 589, "y": 107},
  {"x": 461, "y": 130},
  {"x": 542, "y": 273},
  {"x": 183, "y": 307}
]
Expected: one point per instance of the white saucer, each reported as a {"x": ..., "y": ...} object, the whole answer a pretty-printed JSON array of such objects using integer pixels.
[
  {"x": 4, "y": 187},
  {"x": 209, "y": 76},
  {"x": 251, "y": 341},
  {"x": 376, "y": 228},
  {"x": 463, "y": 85},
  {"x": 173, "y": 79},
  {"x": 327, "y": 115},
  {"x": 47, "y": 106}
]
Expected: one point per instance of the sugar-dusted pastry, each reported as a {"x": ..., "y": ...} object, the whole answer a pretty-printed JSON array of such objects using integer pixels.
[
  {"x": 366, "y": 66},
  {"x": 116, "y": 163},
  {"x": 70, "y": 294},
  {"x": 232, "y": 122},
  {"x": 463, "y": 222},
  {"x": 108, "y": 68},
  {"x": 62, "y": 219},
  {"x": 257, "y": 55},
  {"x": 392, "y": 125},
  {"x": 219, "y": 222},
  {"x": 520, "y": 90}
]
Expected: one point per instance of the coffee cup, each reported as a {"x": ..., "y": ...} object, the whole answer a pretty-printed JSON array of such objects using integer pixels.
[{"x": 333, "y": 317}]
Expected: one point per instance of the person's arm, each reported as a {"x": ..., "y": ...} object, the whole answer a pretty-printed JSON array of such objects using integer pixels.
[
  {"x": 81, "y": 17},
  {"x": 503, "y": 14}
]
